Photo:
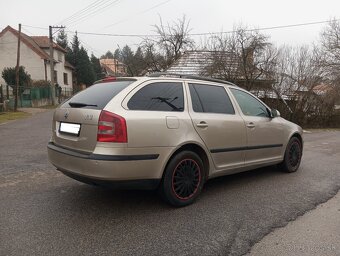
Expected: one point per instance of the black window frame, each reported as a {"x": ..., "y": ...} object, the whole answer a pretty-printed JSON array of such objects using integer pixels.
[
  {"x": 65, "y": 76},
  {"x": 230, "y": 103},
  {"x": 154, "y": 110}
]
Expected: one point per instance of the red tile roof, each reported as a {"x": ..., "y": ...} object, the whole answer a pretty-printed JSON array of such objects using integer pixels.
[
  {"x": 44, "y": 42},
  {"x": 27, "y": 40},
  {"x": 36, "y": 43},
  {"x": 322, "y": 89}
]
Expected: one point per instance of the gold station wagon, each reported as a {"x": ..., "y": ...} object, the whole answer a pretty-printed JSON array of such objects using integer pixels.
[{"x": 168, "y": 132}]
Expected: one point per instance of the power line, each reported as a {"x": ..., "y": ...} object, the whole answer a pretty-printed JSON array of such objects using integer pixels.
[
  {"x": 212, "y": 33},
  {"x": 29, "y": 26},
  {"x": 92, "y": 5},
  {"x": 89, "y": 46},
  {"x": 193, "y": 34},
  {"x": 139, "y": 13},
  {"x": 265, "y": 28},
  {"x": 94, "y": 12},
  {"x": 115, "y": 35}
]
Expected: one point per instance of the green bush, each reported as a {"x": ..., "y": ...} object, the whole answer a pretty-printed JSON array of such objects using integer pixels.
[{"x": 41, "y": 83}]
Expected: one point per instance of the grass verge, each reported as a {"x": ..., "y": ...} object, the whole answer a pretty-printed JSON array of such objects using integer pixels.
[
  {"x": 49, "y": 107},
  {"x": 9, "y": 116}
]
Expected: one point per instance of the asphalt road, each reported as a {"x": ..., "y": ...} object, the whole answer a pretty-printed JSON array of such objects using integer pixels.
[{"x": 43, "y": 212}]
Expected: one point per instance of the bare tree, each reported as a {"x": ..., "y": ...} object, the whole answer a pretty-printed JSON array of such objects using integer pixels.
[
  {"x": 242, "y": 57},
  {"x": 298, "y": 71},
  {"x": 153, "y": 60},
  {"x": 330, "y": 48},
  {"x": 223, "y": 60},
  {"x": 173, "y": 39}
]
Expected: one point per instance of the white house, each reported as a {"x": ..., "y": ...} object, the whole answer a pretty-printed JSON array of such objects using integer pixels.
[{"x": 34, "y": 56}]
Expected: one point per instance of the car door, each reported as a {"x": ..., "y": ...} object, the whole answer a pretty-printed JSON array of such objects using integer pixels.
[
  {"x": 218, "y": 124},
  {"x": 264, "y": 134}
]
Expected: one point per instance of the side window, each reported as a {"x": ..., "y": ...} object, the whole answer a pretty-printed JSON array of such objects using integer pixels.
[
  {"x": 249, "y": 105},
  {"x": 161, "y": 96},
  {"x": 210, "y": 99}
]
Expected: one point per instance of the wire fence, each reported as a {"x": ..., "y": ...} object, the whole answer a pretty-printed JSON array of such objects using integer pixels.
[{"x": 32, "y": 96}]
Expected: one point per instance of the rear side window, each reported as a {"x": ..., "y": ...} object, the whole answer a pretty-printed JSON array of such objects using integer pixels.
[
  {"x": 160, "y": 96},
  {"x": 249, "y": 105},
  {"x": 96, "y": 96},
  {"x": 210, "y": 99}
]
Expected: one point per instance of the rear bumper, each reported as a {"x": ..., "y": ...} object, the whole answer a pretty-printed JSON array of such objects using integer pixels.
[
  {"x": 112, "y": 169},
  {"x": 147, "y": 184}
]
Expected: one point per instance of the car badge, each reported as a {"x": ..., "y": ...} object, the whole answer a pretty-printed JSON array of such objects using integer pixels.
[{"x": 66, "y": 114}]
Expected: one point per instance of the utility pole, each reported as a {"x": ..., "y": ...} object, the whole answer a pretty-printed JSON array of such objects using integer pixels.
[
  {"x": 17, "y": 71},
  {"x": 75, "y": 65},
  {"x": 54, "y": 102}
]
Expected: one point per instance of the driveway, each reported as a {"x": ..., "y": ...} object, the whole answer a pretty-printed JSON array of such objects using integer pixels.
[{"x": 43, "y": 212}]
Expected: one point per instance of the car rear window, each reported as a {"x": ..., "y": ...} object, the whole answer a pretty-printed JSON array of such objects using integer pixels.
[{"x": 96, "y": 96}]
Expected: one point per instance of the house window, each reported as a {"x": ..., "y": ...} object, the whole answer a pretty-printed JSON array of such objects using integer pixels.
[
  {"x": 65, "y": 78},
  {"x": 60, "y": 57},
  {"x": 55, "y": 76}
]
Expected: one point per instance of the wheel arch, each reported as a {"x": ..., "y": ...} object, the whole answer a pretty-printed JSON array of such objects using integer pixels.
[{"x": 193, "y": 147}]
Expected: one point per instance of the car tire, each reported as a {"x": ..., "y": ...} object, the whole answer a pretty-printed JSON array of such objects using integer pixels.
[
  {"x": 183, "y": 179},
  {"x": 292, "y": 157}
]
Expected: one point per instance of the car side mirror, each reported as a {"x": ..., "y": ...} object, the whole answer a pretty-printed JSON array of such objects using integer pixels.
[{"x": 274, "y": 113}]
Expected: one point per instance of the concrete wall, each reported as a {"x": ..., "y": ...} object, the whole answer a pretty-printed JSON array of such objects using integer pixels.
[{"x": 32, "y": 62}]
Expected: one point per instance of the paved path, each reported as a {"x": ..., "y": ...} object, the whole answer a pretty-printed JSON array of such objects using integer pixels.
[
  {"x": 313, "y": 234},
  {"x": 43, "y": 212},
  {"x": 33, "y": 111}
]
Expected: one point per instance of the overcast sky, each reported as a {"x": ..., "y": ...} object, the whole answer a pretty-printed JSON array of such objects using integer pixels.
[{"x": 137, "y": 17}]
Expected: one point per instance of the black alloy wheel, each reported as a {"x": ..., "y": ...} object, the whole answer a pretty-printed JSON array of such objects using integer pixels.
[
  {"x": 186, "y": 179},
  {"x": 293, "y": 155},
  {"x": 183, "y": 179}
]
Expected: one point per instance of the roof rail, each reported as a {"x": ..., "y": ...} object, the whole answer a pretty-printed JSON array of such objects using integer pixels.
[{"x": 166, "y": 74}]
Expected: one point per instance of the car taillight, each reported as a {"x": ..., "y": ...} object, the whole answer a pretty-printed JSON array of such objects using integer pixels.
[
  {"x": 109, "y": 79},
  {"x": 111, "y": 128}
]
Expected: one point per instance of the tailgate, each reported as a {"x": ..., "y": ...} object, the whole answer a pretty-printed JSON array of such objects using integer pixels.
[{"x": 76, "y": 128}]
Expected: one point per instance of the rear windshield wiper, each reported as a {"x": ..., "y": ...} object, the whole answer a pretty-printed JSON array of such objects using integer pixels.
[{"x": 80, "y": 105}]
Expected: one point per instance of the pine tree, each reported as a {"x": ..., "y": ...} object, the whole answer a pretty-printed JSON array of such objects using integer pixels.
[
  {"x": 107, "y": 55},
  {"x": 138, "y": 62},
  {"x": 73, "y": 55},
  {"x": 85, "y": 72},
  {"x": 97, "y": 68},
  {"x": 118, "y": 55},
  {"x": 127, "y": 58}
]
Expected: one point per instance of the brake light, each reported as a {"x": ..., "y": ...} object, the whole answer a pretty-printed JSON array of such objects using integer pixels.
[
  {"x": 111, "y": 128},
  {"x": 109, "y": 79}
]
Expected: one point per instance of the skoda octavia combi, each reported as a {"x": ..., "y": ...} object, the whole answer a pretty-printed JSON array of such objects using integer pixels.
[{"x": 170, "y": 133}]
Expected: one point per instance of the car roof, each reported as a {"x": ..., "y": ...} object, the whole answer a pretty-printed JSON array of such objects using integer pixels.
[
  {"x": 190, "y": 77},
  {"x": 167, "y": 76}
]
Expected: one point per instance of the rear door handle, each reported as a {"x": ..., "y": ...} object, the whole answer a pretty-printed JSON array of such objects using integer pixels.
[
  {"x": 202, "y": 124},
  {"x": 251, "y": 125}
]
